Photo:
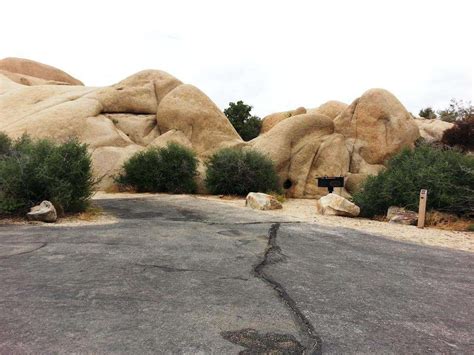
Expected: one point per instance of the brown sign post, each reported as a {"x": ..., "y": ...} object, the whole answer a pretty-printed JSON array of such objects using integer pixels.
[{"x": 422, "y": 208}]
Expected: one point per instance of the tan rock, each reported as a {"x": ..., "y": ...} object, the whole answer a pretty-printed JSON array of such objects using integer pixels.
[
  {"x": 174, "y": 136},
  {"x": 272, "y": 120},
  {"x": 140, "y": 129},
  {"x": 44, "y": 212},
  {"x": 189, "y": 110},
  {"x": 293, "y": 145},
  {"x": 400, "y": 215},
  {"x": 37, "y": 70},
  {"x": 335, "y": 205},
  {"x": 432, "y": 130},
  {"x": 261, "y": 201},
  {"x": 376, "y": 126},
  {"x": 108, "y": 161},
  {"x": 331, "y": 109},
  {"x": 354, "y": 182}
]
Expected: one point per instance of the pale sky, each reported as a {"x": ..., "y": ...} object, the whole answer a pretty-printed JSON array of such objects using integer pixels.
[{"x": 273, "y": 55}]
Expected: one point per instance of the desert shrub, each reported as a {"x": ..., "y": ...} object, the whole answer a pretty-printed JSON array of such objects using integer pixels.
[
  {"x": 5, "y": 144},
  {"x": 171, "y": 169},
  {"x": 460, "y": 135},
  {"x": 237, "y": 172},
  {"x": 33, "y": 171},
  {"x": 246, "y": 125},
  {"x": 448, "y": 176}
]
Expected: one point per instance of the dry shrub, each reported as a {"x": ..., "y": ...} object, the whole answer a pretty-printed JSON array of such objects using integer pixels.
[{"x": 447, "y": 221}]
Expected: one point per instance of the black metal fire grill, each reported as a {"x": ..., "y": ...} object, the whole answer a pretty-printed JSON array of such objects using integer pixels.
[{"x": 331, "y": 182}]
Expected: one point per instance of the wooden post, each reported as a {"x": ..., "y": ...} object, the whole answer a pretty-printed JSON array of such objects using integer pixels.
[{"x": 422, "y": 208}]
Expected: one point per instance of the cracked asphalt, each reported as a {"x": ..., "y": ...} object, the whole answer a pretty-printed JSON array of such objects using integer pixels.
[{"x": 182, "y": 275}]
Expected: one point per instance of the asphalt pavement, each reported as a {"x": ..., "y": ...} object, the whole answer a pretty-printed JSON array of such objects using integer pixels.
[{"x": 183, "y": 275}]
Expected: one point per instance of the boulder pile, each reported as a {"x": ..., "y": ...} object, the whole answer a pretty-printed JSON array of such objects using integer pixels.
[{"x": 152, "y": 108}]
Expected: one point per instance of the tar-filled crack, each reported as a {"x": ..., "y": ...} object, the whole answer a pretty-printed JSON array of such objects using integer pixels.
[
  {"x": 24, "y": 252},
  {"x": 273, "y": 255}
]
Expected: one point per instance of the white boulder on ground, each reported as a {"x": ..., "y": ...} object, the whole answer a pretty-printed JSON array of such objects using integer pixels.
[
  {"x": 44, "y": 212},
  {"x": 261, "y": 201},
  {"x": 335, "y": 205},
  {"x": 401, "y": 216}
]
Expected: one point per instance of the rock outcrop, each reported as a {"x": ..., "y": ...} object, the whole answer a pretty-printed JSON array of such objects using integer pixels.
[
  {"x": 432, "y": 130},
  {"x": 154, "y": 108},
  {"x": 29, "y": 72}
]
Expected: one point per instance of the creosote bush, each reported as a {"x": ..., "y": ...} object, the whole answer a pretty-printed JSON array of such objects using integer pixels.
[
  {"x": 238, "y": 172},
  {"x": 448, "y": 176},
  {"x": 35, "y": 170},
  {"x": 171, "y": 169}
]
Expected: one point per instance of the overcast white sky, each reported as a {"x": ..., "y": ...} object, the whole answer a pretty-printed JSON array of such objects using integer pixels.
[{"x": 274, "y": 55}]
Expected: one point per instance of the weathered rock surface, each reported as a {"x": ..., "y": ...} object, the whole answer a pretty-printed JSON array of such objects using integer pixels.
[
  {"x": 261, "y": 201},
  {"x": 335, "y": 205},
  {"x": 153, "y": 108},
  {"x": 400, "y": 215},
  {"x": 31, "y": 69},
  {"x": 376, "y": 125},
  {"x": 432, "y": 130},
  {"x": 44, "y": 212},
  {"x": 272, "y": 120},
  {"x": 332, "y": 109}
]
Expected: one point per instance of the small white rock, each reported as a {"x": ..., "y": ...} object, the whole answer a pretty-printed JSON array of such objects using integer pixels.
[
  {"x": 335, "y": 205},
  {"x": 44, "y": 212},
  {"x": 261, "y": 201}
]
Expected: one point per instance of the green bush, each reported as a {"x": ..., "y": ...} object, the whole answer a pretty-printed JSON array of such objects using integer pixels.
[
  {"x": 448, "y": 176},
  {"x": 236, "y": 172},
  {"x": 170, "y": 169},
  {"x": 5, "y": 144},
  {"x": 33, "y": 171}
]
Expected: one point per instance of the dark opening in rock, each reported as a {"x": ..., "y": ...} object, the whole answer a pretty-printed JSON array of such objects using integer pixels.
[{"x": 287, "y": 184}]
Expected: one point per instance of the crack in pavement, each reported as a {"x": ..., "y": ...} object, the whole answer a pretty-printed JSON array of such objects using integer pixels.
[
  {"x": 273, "y": 255},
  {"x": 24, "y": 252},
  {"x": 167, "y": 268}
]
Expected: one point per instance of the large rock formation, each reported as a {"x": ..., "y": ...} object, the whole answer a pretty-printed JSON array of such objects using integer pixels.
[
  {"x": 29, "y": 72},
  {"x": 154, "y": 108}
]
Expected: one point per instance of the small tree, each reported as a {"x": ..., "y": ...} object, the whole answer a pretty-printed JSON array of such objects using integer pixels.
[
  {"x": 245, "y": 124},
  {"x": 428, "y": 113}
]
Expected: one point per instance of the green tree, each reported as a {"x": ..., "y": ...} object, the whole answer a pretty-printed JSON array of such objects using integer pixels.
[
  {"x": 427, "y": 113},
  {"x": 245, "y": 124}
]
